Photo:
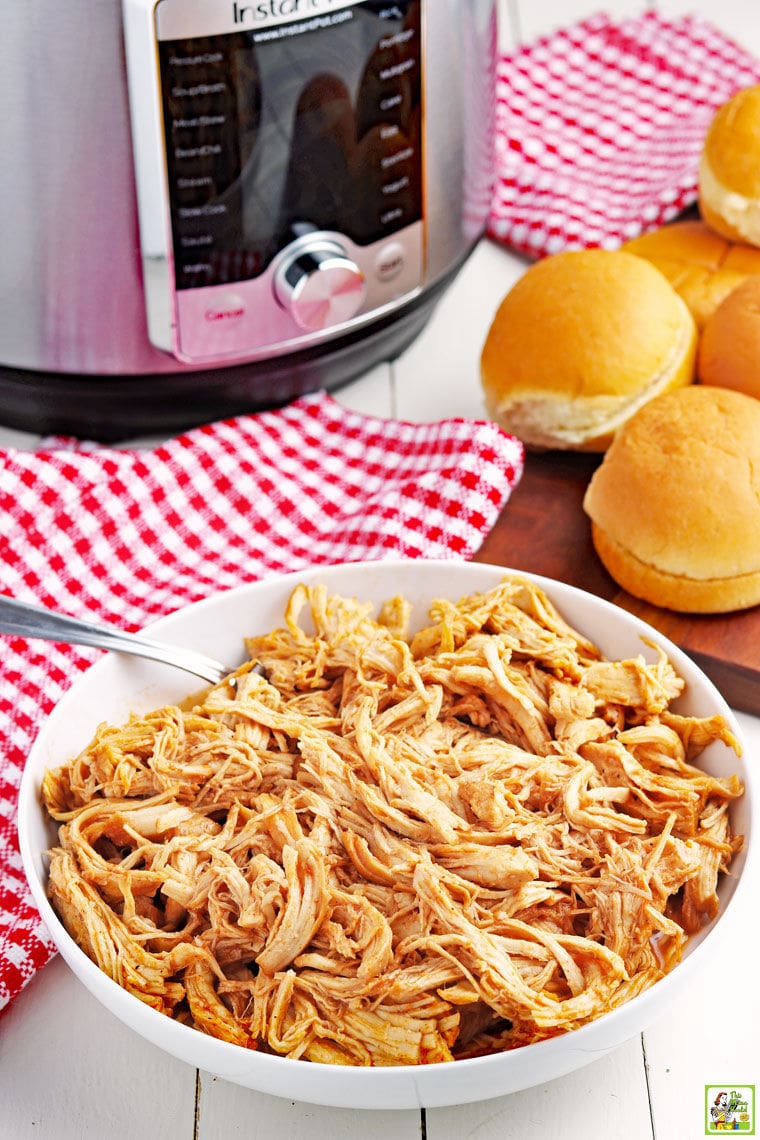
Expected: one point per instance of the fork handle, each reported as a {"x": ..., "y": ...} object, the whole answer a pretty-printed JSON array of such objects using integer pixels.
[{"x": 23, "y": 619}]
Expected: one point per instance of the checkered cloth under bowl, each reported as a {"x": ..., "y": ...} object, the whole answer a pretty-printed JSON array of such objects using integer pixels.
[{"x": 124, "y": 536}]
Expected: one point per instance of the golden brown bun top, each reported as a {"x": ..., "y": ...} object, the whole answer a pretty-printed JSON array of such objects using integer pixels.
[
  {"x": 680, "y": 485},
  {"x": 702, "y": 266},
  {"x": 729, "y": 351},
  {"x": 690, "y": 242},
  {"x": 694, "y": 243},
  {"x": 732, "y": 143},
  {"x": 583, "y": 323}
]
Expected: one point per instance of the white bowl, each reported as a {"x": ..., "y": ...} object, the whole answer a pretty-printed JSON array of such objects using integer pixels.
[{"x": 118, "y": 685}]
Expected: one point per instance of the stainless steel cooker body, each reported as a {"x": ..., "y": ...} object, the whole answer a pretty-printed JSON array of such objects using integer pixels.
[{"x": 212, "y": 207}]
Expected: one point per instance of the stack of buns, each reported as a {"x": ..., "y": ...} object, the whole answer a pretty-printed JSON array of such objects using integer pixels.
[{"x": 599, "y": 350}]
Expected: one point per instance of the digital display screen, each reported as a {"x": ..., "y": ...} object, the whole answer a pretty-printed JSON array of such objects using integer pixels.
[{"x": 310, "y": 123}]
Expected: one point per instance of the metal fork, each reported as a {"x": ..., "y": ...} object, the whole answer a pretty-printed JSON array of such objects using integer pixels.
[{"x": 28, "y": 621}]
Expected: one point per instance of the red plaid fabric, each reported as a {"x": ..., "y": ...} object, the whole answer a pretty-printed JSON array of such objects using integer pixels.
[
  {"x": 600, "y": 126},
  {"x": 125, "y": 536}
]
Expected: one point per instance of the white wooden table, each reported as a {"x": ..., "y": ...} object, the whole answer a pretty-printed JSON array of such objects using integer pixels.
[{"x": 70, "y": 1071}]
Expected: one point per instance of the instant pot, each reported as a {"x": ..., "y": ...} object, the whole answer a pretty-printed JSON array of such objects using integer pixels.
[{"x": 214, "y": 206}]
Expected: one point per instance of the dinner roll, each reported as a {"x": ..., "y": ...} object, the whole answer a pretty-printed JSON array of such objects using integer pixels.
[
  {"x": 675, "y": 504},
  {"x": 702, "y": 266},
  {"x": 729, "y": 171},
  {"x": 581, "y": 341},
  {"x": 729, "y": 350}
]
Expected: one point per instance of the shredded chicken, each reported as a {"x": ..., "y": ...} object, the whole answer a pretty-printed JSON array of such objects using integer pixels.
[{"x": 394, "y": 849}]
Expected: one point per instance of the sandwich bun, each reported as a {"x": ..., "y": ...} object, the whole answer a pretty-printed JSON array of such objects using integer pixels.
[
  {"x": 729, "y": 170},
  {"x": 702, "y": 266},
  {"x": 729, "y": 349},
  {"x": 675, "y": 503},
  {"x": 582, "y": 341}
]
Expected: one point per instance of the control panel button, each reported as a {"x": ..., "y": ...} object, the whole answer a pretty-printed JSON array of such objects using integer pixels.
[
  {"x": 225, "y": 309},
  {"x": 390, "y": 261},
  {"x": 319, "y": 285}
]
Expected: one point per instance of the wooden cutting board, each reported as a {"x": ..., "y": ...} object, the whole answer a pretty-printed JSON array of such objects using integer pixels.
[{"x": 544, "y": 530}]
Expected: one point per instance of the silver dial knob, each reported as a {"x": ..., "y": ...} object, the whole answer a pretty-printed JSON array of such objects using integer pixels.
[{"x": 319, "y": 284}]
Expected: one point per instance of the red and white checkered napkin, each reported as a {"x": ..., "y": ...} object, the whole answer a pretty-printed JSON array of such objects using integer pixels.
[
  {"x": 125, "y": 536},
  {"x": 600, "y": 127}
]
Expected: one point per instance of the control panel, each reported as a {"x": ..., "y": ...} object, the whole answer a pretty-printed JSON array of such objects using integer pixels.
[{"x": 279, "y": 163}]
